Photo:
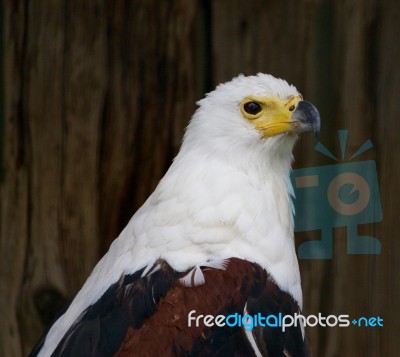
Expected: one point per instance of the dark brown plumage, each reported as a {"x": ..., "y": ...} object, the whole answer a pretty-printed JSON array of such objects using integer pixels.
[{"x": 148, "y": 316}]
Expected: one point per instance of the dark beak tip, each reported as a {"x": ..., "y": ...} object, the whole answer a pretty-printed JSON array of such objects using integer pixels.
[{"x": 309, "y": 115}]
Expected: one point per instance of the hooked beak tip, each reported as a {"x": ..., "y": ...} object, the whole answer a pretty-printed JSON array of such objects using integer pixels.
[{"x": 308, "y": 116}]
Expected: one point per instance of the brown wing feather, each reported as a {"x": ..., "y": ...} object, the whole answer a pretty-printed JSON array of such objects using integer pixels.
[
  {"x": 146, "y": 314},
  {"x": 223, "y": 292}
]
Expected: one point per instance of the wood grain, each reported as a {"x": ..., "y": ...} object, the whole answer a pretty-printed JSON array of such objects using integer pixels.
[{"x": 97, "y": 96}]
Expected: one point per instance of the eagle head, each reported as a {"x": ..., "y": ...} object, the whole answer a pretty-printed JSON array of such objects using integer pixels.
[{"x": 249, "y": 112}]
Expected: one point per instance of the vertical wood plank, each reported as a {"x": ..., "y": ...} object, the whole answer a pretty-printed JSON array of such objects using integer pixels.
[
  {"x": 262, "y": 36},
  {"x": 13, "y": 182},
  {"x": 385, "y": 287},
  {"x": 39, "y": 105},
  {"x": 85, "y": 79},
  {"x": 57, "y": 145},
  {"x": 351, "y": 108}
]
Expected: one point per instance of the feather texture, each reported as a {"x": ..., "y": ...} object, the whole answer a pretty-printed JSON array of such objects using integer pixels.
[
  {"x": 225, "y": 196},
  {"x": 141, "y": 309}
]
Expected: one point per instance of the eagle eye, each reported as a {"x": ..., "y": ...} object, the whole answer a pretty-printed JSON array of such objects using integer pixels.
[
  {"x": 292, "y": 108},
  {"x": 252, "y": 108}
]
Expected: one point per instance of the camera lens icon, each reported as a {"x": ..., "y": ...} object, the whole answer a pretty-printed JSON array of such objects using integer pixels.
[
  {"x": 339, "y": 195},
  {"x": 348, "y": 193}
]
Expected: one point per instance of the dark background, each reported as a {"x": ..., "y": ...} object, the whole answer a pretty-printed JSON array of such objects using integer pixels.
[{"x": 95, "y": 98}]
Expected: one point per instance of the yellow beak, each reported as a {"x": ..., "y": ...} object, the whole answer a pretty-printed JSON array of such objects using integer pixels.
[{"x": 273, "y": 116}]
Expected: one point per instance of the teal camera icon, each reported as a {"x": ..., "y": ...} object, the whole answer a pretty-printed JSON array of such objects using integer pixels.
[{"x": 338, "y": 195}]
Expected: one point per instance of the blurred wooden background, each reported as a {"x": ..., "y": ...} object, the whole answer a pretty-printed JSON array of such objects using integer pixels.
[{"x": 95, "y": 98}]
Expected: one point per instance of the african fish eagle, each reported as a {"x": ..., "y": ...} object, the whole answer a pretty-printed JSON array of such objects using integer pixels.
[{"x": 215, "y": 238}]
